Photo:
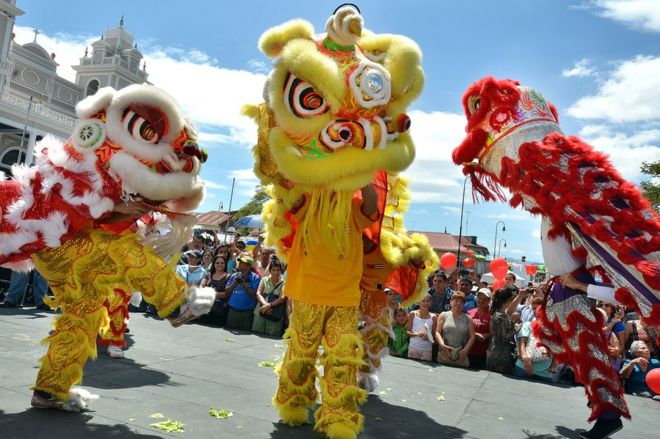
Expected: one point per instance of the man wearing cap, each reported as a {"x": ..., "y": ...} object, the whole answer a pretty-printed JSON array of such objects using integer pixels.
[
  {"x": 242, "y": 290},
  {"x": 481, "y": 318}
]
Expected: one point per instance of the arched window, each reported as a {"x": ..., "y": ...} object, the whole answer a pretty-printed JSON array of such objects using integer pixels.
[
  {"x": 8, "y": 157},
  {"x": 92, "y": 87}
]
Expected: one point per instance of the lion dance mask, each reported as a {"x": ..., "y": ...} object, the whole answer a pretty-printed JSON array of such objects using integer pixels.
[
  {"x": 593, "y": 221},
  {"x": 128, "y": 145},
  {"x": 333, "y": 122}
]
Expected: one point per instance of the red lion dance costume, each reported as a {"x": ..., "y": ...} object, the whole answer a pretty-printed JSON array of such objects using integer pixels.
[
  {"x": 64, "y": 215},
  {"x": 593, "y": 221},
  {"x": 333, "y": 116}
]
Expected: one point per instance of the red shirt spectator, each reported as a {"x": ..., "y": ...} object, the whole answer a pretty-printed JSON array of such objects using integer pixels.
[{"x": 481, "y": 319}]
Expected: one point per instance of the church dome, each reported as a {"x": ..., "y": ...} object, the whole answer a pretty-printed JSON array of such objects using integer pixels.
[{"x": 36, "y": 49}]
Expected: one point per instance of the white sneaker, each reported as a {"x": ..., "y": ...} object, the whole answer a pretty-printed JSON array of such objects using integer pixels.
[{"x": 115, "y": 351}]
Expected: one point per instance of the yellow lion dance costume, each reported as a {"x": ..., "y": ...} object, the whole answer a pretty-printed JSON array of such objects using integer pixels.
[
  {"x": 70, "y": 215},
  {"x": 333, "y": 116}
]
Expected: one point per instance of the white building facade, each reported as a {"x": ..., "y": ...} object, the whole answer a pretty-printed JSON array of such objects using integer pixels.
[{"x": 35, "y": 101}]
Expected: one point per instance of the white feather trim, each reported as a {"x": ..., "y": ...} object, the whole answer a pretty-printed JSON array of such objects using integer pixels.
[
  {"x": 95, "y": 103},
  {"x": 79, "y": 399},
  {"x": 136, "y": 178},
  {"x": 200, "y": 300}
]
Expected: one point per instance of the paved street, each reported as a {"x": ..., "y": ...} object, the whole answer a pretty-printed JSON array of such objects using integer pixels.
[{"x": 182, "y": 373}]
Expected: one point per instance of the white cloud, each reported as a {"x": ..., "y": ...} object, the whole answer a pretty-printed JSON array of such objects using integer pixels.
[
  {"x": 258, "y": 66},
  {"x": 630, "y": 94},
  {"x": 514, "y": 215},
  {"x": 627, "y": 151},
  {"x": 210, "y": 184},
  {"x": 434, "y": 177},
  {"x": 580, "y": 69},
  {"x": 245, "y": 180},
  {"x": 638, "y": 14}
]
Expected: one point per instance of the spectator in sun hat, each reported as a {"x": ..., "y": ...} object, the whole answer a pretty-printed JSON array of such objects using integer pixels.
[
  {"x": 242, "y": 290},
  {"x": 192, "y": 272}
]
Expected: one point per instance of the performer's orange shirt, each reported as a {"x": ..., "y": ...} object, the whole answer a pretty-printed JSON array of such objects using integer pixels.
[{"x": 320, "y": 275}]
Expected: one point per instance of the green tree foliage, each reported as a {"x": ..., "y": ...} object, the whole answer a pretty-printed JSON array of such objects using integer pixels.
[
  {"x": 253, "y": 207},
  {"x": 651, "y": 188}
]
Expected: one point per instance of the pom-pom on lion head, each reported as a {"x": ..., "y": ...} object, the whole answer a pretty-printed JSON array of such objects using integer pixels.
[
  {"x": 142, "y": 144},
  {"x": 335, "y": 103}
]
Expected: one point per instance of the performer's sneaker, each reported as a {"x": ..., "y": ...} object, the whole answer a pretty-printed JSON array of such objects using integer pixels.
[
  {"x": 44, "y": 400},
  {"x": 115, "y": 351},
  {"x": 603, "y": 428}
]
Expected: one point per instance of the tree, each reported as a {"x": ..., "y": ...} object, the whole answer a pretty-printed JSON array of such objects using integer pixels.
[
  {"x": 651, "y": 188},
  {"x": 253, "y": 207}
]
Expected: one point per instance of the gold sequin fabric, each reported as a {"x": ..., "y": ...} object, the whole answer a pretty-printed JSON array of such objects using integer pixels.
[
  {"x": 377, "y": 330},
  {"x": 335, "y": 328},
  {"x": 83, "y": 273},
  {"x": 117, "y": 307}
]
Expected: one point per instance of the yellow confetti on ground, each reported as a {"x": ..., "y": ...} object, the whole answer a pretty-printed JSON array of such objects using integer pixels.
[
  {"x": 169, "y": 425},
  {"x": 132, "y": 420},
  {"x": 440, "y": 398},
  {"x": 157, "y": 415},
  {"x": 382, "y": 392},
  {"x": 266, "y": 364},
  {"x": 230, "y": 340},
  {"x": 221, "y": 413},
  {"x": 500, "y": 418}
]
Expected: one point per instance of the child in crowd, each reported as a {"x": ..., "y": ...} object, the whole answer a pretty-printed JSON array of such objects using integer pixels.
[{"x": 399, "y": 344}]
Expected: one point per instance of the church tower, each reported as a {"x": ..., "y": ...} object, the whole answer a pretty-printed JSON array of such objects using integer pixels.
[
  {"x": 8, "y": 14},
  {"x": 114, "y": 61}
]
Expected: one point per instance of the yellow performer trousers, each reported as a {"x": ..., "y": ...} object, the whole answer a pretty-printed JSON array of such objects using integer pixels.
[
  {"x": 117, "y": 307},
  {"x": 335, "y": 328},
  {"x": 83, "y": 273},
  {"x": 377, "y": 330}
]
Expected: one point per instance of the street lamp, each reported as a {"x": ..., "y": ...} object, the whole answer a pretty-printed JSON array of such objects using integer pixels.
[
  {"x": 503, "y": 230},
  {"x": 460, "y": 229},
  {"x": 499, "y": 247}
]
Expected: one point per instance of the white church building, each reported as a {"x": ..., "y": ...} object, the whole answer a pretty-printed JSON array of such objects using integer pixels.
[{"x": 35, "y": 101}]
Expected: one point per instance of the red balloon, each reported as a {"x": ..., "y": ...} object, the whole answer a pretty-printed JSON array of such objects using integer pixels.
[
  {"x": 469, "y": 262},
  {"x": 499, "y": 267},
  {"x": 498, "y": 283},
  {"x": 530, "y": 269},
  {"x": 448, "y": 261},
  {"x": 653, "y": 380}
]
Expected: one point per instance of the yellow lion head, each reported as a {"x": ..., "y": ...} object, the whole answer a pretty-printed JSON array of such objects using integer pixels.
[{"x": 335, "y": 103}]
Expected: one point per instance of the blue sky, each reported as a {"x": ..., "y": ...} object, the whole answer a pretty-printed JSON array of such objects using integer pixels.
[{"x": 598, "y": 61}]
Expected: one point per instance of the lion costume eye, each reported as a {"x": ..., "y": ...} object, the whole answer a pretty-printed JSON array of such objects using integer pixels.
[
  {"x": 139, "y": 127},
  {"x": 301, "y": 99},
  {"x": 474, "y": 102}
]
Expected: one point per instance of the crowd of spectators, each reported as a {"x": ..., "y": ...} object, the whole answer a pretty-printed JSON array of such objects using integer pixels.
[
  {"x": 460, "y": 322},
  {"x": 474, "y": 327},
  {"x": 249, "y": 285}
]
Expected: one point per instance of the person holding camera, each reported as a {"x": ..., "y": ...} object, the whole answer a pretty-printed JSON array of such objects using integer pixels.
[{"x": 242, "y": 290}]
